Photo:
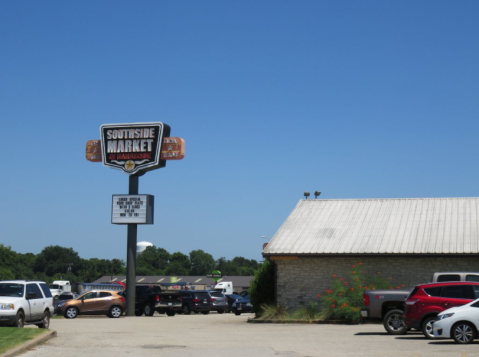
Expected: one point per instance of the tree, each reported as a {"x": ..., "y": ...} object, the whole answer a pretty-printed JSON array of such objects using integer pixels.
[
  {"x": 179, "y": 264},
  {"x": 152, "y": 261},
  {"x": 23, "y": 269},
  {"x": 8, "y": 258},
  {"x": 201, "y": 263},
  {"x": 238, "y": 266},
  {"x": 55, "y": 259},
  {"x": 6, "y": 274},
  {"x": 228, "y": 268},
  {"x": 261, "y": 287}
]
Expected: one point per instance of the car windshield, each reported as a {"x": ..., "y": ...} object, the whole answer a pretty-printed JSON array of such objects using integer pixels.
[
  {"x": 11, "y": 289},
  {"x": 54, "y": 286},
  {"x": 66, "y": 297}
]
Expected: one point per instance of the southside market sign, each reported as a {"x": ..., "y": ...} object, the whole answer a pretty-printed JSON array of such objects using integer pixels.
[{"x": 133, "y": 148}]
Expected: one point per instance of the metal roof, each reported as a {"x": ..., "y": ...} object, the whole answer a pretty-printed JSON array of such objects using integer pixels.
[
  {"x": 379, "y": 226},
  {"x": 238, "y": 281}
]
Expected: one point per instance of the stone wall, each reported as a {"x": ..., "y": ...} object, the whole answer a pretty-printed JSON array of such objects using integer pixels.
[{"x": 301, "y": 280}]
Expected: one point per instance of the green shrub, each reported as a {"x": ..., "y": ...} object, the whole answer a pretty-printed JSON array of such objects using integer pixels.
[
  {"x": 307, "y": 312},
  {"x": 274, "y": 312},
  {"x": 262, "y": 287},
  {"x": 345, "y": 299}
]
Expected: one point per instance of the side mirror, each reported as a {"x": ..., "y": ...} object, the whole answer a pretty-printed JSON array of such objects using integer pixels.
[{"x": 31, "y": 295}]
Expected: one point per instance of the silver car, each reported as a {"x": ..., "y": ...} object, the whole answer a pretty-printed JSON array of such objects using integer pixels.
[{"x": 220, "y": 303}]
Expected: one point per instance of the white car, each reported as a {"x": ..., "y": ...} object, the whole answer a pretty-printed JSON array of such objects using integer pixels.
[
  {"x": 25, "y": 302},
  {"x": 459, "y": 323}
]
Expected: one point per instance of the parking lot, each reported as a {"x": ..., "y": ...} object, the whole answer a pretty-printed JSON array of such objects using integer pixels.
[{"x": 229, "y": 335}]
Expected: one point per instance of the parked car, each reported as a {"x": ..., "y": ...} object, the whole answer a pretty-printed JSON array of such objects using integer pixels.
[
  {"x": 426, "y": 301},
  {"x": 25, "y": 302},
  {"x": 459, "y": 323},
  {"x": 196, "y": 301},
  {"x": 61, "y": 299},
  {"x": 244, "y": 293},
  {"x": 220, "y": 303},
  {"x": 389, "y": 305},
  {"x": 95, "y": 302},
  {"x": 241, "y": 305},
  {"x": 231, "y": 299},
  {"x": 150, "y": 298}
]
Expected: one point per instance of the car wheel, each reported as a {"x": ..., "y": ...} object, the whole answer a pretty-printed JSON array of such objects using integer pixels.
[
  {"x": 71, "y": 312},
  {"x": 115, "y": 312},
  {"x": 394, "y": 323},
  {"x": 427, "y": 327},
  {"x": 148, "y": 310},
  {"x": 205, "y": 312},
  {"x": 19, "y": 320},
  {"x": 170, "y": 313},
  {"x": 237, "y": 313},
  {"x": 221, "y": 311},
  {"x": 45, "y": 321},
  {"x": 186, "y": 309},
  {"x": 463, "y": 332}
]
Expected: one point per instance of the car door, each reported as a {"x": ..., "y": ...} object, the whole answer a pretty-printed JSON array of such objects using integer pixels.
[
  {"x": 36, "y": 302},
  {"x": 88, "y": 302},
  {"x": 103, "y": 301},
  {"x": 47, "y": 297},
  {"x": 456, "y": 295}
]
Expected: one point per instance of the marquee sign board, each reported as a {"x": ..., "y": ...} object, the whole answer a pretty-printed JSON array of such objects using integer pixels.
[
  {"x": 135, "y": 209},
  {"x": 133, "y": 148}
]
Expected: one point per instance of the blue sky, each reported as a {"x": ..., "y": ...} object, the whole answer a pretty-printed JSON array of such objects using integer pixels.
[{"x": 357, "y": 99}]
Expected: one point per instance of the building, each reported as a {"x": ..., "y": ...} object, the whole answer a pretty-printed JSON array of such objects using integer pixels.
[
  {"x": 240, "y": 283},
  {"x": 402, "y": 240}
]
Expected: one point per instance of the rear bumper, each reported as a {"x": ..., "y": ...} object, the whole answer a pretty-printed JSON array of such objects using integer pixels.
[
  {"x": 222, "y": 307},
  {"x": 162, "y": 309},
  {"x": 201, "y": 308},
  {"x": 241, "y": 309}
]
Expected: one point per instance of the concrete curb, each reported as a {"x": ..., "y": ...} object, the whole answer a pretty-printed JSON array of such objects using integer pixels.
[
  {"x": 29, "y": 344},
  {"x": 317, "y": 322}
]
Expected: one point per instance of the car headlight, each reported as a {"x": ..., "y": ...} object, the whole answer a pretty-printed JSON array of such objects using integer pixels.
[
  {"x": 248, "y": 304},
  {"x": 7, "y": 306},
  {"x": 60, "y": 305},
  {"x": 445, "y": 316}
]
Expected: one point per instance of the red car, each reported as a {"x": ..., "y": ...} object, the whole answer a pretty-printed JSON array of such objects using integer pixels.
[{"x": 426, "y": 301}]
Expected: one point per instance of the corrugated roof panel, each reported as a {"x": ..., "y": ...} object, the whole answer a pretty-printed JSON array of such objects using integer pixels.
[{"x": 382, "y": 226}]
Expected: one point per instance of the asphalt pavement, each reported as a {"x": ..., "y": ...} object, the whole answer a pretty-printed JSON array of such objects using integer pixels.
[{"x": 227, "y": 335}]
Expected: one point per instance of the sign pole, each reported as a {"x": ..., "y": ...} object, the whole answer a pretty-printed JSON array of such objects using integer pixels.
[
  {"x": 134, "y": 148},
  {"x": 131, "y": 254}
]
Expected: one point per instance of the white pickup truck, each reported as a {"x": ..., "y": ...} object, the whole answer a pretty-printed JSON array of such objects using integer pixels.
[{"x": 388, "y": 305}]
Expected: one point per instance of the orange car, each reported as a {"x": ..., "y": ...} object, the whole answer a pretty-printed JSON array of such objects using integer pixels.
[{"x": 94, "y": 302}]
